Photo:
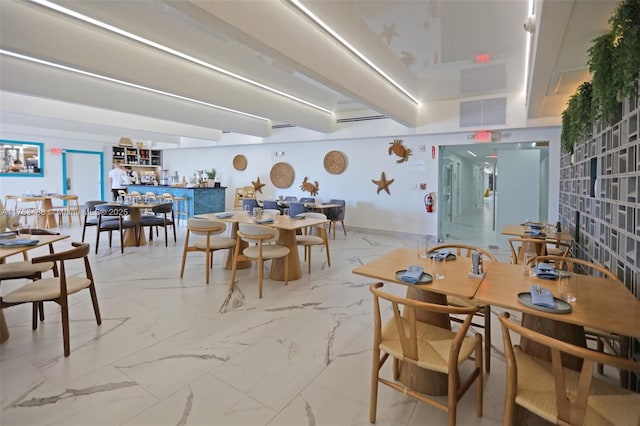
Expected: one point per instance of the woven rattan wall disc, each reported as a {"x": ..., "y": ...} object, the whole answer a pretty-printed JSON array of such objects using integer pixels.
[
  {"x": 240, "y": 162},
  {"x": 282, "y": 175},
  {"x": 335, "y": 162}
]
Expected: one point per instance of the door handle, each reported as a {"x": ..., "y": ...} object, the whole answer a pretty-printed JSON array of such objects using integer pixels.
[{"x": 68, "y": 184}]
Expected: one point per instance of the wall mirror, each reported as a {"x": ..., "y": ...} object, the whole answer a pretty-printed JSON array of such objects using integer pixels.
[{"x": 21, "y": 159}]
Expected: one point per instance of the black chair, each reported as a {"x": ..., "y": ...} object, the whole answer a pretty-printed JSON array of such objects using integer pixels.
[
  {"x": 307, "y": 200},
  {"x": 335, "y": 215},
  {"x": 251, "y": 202},
  {"x": 162, "y": 215},
  {"x": 90, "y": 216},
  {"x": 111, "y": 218}
]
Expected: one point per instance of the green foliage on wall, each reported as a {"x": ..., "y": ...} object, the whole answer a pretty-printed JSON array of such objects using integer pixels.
[{"x": 614, "y": 63}]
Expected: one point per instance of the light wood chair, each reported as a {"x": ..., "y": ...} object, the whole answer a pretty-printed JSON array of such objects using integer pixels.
[
  {"x": 314, "y": 236},
  {"x": 485, "y": 311},
  {"x": 264, "y": 248},
  {"x": 208, "y": 245},
  {"x": 57, "y": 289},
  {"x": 613, "y": 343},
  {"x": 426, "y": 346},
  {"x": 70, "y": 209},
  {"x": 561, "y": 395},
  {"x": 539, "y": 246}
]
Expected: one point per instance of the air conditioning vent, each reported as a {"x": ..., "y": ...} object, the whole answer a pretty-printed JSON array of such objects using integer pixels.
[
  {"x": 485, "y": 112},
  {"x": 366, "y": 118},
  {"x": 282, "y": 126}
]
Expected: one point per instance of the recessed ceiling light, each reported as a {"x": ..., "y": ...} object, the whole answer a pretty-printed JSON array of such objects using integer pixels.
[
  {"x": 353, "y": 50},
  {"x": 171, "y": 51},
  {"x": 124, "y": 83},
  {"x": 471, "y": 153}
]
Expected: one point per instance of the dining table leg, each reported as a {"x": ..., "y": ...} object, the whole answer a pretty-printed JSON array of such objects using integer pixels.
[
  {"x": 287, "y": 238},
  {"x": 426, "y": 381},
  {"x": 130, "y": 233},
  {"x": 48, "y": 218}
]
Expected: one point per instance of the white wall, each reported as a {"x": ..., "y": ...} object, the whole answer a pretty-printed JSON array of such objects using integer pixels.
[{"x": 400, "y": 212}]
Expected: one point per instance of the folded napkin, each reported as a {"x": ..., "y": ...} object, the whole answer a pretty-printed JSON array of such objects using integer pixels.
[
  {"x": 7, "y": 235},
  {"x": 534, "y": 226},
  {"x": 443, "y": 254},
  {"x": 224, "y": 215},
  {"x": 545, "y": 271},
  {"x": 536, "y": 233},
  {"x": 413, "y": 274},
  {"x": 265, "y": 220},
  {"x": 18, "y": 242},
  {"x": 542, "y": 298},
  {"x": 300, "y": 216}
]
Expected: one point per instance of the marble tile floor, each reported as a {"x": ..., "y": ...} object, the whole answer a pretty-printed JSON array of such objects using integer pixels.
[{"x": 166, "y": 355}]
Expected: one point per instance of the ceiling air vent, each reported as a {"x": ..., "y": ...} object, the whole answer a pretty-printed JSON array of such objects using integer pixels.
[
  {"x": 282, "y": 126},
  {"x": 366, "y": 118},
  {"x": 485, "y": 112}
]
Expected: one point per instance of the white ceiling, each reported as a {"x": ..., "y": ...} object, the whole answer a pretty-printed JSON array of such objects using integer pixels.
[{"x": 428, "y": 47}]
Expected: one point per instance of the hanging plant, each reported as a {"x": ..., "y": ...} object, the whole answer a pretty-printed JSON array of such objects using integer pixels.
[
  {"x": 577, "y": 118},
  {"x": 614, "y": 60}
]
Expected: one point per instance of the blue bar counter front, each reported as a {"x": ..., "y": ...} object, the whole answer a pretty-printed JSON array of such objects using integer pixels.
[{"x": 201, "y": 200}]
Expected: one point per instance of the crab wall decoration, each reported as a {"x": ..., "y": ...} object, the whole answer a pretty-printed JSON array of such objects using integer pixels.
[
  {"x": 398, "y": 148},
  {"x": 310, "y": 187}
]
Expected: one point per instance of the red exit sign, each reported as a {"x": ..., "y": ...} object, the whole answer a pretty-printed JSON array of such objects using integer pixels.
[
  {"x": 56, "y": 151},
  {"x": 482, "y": 58},
  {"x": 482, "y": 136}
]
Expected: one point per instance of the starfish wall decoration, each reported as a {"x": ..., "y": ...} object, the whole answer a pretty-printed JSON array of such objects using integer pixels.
[
  {"x": 257, "y": 185},
  {"x": 383, "y": 183}
]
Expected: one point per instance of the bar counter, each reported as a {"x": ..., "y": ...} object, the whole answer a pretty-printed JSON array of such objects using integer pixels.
[{"x": 201, "y": 200}]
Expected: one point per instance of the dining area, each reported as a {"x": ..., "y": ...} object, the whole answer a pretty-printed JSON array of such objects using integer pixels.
[{"x": 555, "y": 304}]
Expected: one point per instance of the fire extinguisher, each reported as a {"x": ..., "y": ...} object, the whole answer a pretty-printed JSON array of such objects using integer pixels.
[{"x": 428, "y": 202}]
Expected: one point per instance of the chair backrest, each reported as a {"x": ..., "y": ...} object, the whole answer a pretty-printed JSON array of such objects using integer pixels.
[
  {"x": 571, "y": 394},
  {"x": 520, "y": 246},
  {"x": 295, "y": 209},
  {"x": 578, "y": 266},
  {"x": 251, "y": 202},
  {"x": 113, "y": 210},
  {"x": 268, "y": 204},
  {"x": 290, "y": 198},
  {"x": 307, "y": 200},
  {"x": 336, "y": 213},
  {"x": 405, "y": 312},
  {"x": 79, "y": 250},
  {"x": 465, "y": 250},
  {"x": 163, "y": 208},
  {"x": 205, "y": 226},
  {"x": 254, "y": 233},
  {"x": 91, "y": 205}
]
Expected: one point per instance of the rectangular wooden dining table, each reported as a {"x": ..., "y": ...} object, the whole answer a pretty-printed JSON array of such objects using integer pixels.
[
  {"x": 6, "y": 252},
  {"x": 287, "y": 237}
]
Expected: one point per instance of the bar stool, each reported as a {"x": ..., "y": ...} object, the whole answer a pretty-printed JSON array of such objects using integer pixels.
[{"x": 182, "y": 207}]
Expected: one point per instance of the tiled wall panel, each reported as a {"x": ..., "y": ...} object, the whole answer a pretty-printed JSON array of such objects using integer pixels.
[{"x": 608, "y": 232}]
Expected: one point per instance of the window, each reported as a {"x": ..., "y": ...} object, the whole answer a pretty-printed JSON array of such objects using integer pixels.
[{"x": 21, "y": 159}]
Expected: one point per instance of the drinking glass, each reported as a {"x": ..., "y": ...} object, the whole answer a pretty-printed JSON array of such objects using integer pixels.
[
  {"x": 423, "y": 248},
  {"x": 120, "y": 199},
  {"x": 24, "y": 231},
  {"x": 568, "y": 287},
  {"x": 529, "y": 263},
  {"x": 286, "y": 212},
  {"x": 439, "y": 267},
  {"x": 246, "y": 209}
]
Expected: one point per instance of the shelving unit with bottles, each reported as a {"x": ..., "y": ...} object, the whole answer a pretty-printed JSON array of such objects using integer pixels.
[{"x": 137, "y": 156}]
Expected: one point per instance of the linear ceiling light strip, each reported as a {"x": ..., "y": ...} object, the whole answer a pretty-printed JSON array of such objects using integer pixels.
[
  {"x": 173, "y": 52},
  {"x": 124, "y": 83},
  {"x": 353, "y": 50}
]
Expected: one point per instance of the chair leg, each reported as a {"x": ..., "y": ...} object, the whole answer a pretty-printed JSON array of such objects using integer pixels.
[
  {"x": 260, "y": 273},
  {"x": 64, "y": 307},
  {"x": 234, "y": 268},
  {"x": 34, "y": 316},
  {"x": 487, "y": 338},
  {"x": 94, "y": 301},
  {"x": 343, "y": 228},
  {"x": 207, "y": 264},
  {"x": 184, "y": 254},
  {"x": 308, "y": 259},
  {"x": 373, "y": 399}
]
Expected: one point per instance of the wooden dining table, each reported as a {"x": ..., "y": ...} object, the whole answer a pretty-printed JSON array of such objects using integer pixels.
[
  {"x": 6, "y": 252},
  {"x": 287, "y": 237},
  {"x": 457, "y": 282}
]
